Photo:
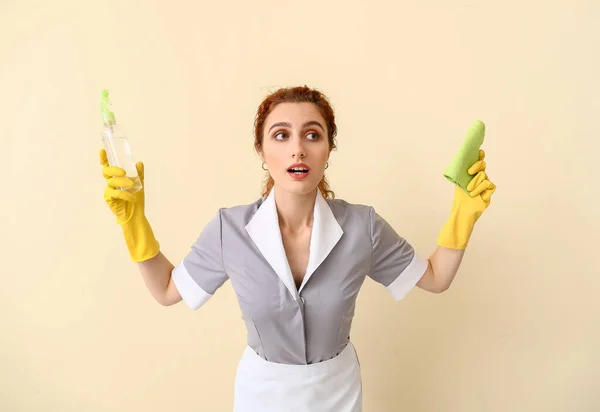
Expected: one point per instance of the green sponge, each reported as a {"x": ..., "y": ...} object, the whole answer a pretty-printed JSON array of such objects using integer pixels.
[{"x": 466, "y": 156}]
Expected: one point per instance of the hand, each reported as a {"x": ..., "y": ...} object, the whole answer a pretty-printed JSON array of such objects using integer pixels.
[
  {"x": 480, "y": 183},
  {"x": 467, "y": 207},
  {"x": 122, "y": 203},
  {"x": 480, "y": 188},
  {"x": 129, "y": 209}
]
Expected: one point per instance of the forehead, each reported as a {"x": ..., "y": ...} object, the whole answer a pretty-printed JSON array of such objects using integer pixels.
[{"x": 294, "y": 113}]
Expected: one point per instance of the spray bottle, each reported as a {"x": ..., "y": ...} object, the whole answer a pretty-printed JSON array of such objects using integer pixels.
[{"x": 118, "y": 150}]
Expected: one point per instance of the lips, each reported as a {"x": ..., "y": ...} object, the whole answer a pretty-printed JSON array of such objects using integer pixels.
[
  {"x": 298, "y": 171},
  {"x": 298, "y": 167}
]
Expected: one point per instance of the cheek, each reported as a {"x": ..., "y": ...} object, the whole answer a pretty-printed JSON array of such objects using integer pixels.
[
  {"x": 321, "y": 153},
  {"x": 272, "y": 154}
]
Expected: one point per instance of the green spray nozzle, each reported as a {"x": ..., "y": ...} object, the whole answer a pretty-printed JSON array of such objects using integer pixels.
[{"x": 107, "y": 115}]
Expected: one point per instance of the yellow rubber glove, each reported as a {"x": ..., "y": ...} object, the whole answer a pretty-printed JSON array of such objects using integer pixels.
[
  {"x": 129, "y": 210},
  {"x": 467, "y": 207}
]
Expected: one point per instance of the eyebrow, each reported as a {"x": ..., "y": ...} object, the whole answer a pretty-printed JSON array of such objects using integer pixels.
[{"x": 287, "y": 124}]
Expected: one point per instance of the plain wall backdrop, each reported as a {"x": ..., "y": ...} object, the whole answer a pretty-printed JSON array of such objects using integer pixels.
[{"x": 518, "y": 329}]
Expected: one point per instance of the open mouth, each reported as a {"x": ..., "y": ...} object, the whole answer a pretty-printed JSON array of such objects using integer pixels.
[{"x": 297, "y": 170}]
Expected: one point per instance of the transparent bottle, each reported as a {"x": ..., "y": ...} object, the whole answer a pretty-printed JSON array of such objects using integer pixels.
[{"x": 118, "y": 150}]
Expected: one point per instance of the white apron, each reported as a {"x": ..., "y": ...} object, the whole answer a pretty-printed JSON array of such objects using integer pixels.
[{"x": 331, "y": 385}]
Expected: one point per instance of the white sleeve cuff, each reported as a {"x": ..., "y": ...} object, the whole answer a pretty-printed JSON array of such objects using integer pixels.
[
  {"x": 191, "y": 293},
  {"x": 408, "y": 278}
]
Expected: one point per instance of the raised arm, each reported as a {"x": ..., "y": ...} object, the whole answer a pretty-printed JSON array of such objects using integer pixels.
[
  {"x": 454, "y": 236},
  {"x": 129, "y": 210}
]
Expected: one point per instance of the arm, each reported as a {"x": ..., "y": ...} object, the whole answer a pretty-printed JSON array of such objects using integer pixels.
[
  {"x": 443, "y": 266},
  {"x": 156, "y": 273},
  {"x": 141, "y": 243},
  {"x": 456, "y": 232}
]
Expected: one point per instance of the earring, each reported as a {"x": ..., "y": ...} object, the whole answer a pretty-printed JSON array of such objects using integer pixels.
[
  {"x": 263, "y": 166},
  {"x": 326, "y": 165}
]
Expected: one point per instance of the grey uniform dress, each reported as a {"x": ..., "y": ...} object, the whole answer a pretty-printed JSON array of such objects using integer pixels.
[{"x": 296, "y": 337}]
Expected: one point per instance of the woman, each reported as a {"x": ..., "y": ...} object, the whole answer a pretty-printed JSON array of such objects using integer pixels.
[{"x": 296, "y": 259}]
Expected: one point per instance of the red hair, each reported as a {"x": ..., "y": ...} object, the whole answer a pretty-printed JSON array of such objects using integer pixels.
[{"x": 299, "y": 94}]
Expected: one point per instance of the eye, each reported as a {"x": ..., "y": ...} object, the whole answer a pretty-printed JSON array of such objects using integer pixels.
[
  {"x": 279, "y": 135},
  {"x": 313, "y": 135}
]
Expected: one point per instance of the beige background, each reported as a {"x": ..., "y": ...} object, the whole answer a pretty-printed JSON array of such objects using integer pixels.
[{"x": 517, "y": 331}]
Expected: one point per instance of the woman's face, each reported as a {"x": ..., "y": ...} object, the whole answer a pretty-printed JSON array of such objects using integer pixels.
[{"x": 295, "y": 146}]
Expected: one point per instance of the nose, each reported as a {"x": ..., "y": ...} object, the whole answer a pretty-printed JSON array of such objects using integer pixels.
[{"x": 298, "y": 149}]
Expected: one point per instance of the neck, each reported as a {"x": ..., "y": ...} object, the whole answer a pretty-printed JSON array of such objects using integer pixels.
[{"x": 295, "y": 211}]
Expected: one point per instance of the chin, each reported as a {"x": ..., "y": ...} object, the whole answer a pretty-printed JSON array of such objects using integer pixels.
[{"x": 298, "y": 188}]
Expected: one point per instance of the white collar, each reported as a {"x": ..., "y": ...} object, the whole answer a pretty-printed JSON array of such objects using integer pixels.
[{"x": 264, "y": 231}]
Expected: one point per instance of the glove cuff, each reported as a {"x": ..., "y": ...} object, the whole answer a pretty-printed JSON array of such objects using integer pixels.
[
  {"x": 140, "y": 239},
  {"x": 457, "y": 230},
  {"x": 453, "y": 235}
]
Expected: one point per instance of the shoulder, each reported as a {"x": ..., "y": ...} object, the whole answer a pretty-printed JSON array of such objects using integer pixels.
[
  {"x": 348, "y": 213},
  {"x": 358, "y": 216},
  {"x": 239, "y": 214},
  {"x": 342, "y": 205}
]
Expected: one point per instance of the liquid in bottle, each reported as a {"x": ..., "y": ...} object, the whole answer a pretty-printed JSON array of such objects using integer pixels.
[{"x": 118, "y": 150}]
